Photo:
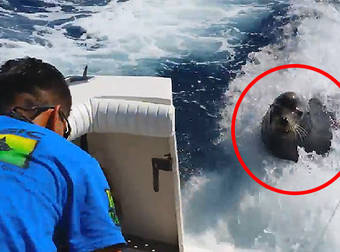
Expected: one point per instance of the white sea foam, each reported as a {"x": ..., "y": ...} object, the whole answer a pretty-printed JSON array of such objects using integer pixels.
[
  {"x": 120, "y": 34},
  {"x": 262, "y": 220}
]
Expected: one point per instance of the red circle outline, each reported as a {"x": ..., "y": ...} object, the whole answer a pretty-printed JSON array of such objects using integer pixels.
[{"x": 233, "y": 134}]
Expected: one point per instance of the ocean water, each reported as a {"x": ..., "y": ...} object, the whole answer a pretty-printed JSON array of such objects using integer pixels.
[{"x": 211, "y": 50}]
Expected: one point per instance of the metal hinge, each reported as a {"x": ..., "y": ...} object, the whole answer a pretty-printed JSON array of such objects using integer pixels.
[{"x": 164, "y": 164}]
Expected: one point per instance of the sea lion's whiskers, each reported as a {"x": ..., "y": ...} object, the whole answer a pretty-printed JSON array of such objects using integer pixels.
[
  {"x": 298, "y": 127},
  {"x": 298, "y": 134},
  {"x": 301, "y": 135},
  {"x": 302, "y": 129},
  {"x": 302, "y": 132}
]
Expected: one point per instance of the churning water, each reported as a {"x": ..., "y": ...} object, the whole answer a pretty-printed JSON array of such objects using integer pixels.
[{"x": 211, "y": 50}]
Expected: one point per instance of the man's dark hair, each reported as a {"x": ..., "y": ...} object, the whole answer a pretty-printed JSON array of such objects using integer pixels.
[{"x": 32, "y": 76}]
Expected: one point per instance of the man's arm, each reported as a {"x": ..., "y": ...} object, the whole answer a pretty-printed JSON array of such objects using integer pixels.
[{"x": 93, "y": 226}]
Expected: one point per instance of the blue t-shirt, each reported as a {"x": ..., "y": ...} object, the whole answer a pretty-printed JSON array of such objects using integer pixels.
[{"x": 52, "y": 193}]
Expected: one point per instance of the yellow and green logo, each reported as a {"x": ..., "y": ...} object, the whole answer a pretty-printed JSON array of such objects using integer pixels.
[
  {"x": 16, "y": 150},
  {"x": 112, "y": 209}
]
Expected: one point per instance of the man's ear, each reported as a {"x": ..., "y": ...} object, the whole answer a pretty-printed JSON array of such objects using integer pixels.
[
  {"x": 56, "y": 123},
  {"x": 50, "y": 119},
  {"x": 43, "y": 118}
]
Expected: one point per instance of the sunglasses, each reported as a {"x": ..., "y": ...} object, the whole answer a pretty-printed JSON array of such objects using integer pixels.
[{"x": 37, "y": 111}]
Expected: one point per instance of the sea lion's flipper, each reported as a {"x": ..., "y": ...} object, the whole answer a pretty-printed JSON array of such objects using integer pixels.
[{"x": 320, "y": 137}]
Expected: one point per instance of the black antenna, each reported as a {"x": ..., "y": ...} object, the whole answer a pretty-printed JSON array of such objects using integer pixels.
[
  {"x": 76, "y": 78},
  {"x": 85, "y": 73}
]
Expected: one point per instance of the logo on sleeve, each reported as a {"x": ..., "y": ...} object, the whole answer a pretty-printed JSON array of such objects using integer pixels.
[
  {"x": 112, "y": 209},
  {"x": 16, "y": 150}
]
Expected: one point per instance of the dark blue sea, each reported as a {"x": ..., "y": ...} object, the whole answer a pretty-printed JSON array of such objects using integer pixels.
[{"x": 211, "y": 50}]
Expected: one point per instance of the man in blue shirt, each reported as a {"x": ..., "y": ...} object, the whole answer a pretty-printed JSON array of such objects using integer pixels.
[{"x": 53, "y": 195}]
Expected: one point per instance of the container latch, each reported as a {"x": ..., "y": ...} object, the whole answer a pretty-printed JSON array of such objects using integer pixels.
[{"x": 164, "y": 164}]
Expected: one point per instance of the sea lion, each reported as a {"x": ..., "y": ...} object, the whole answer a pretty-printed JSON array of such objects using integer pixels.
[{"x": 291, "y": 121}]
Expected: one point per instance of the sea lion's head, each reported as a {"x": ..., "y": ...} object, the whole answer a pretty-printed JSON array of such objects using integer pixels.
[
  {"x": 285, "y": 125},
  {"x": 286, "y": 114}
]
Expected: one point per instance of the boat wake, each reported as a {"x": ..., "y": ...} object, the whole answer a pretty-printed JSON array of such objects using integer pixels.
[{"x": 240, "y": 214}]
